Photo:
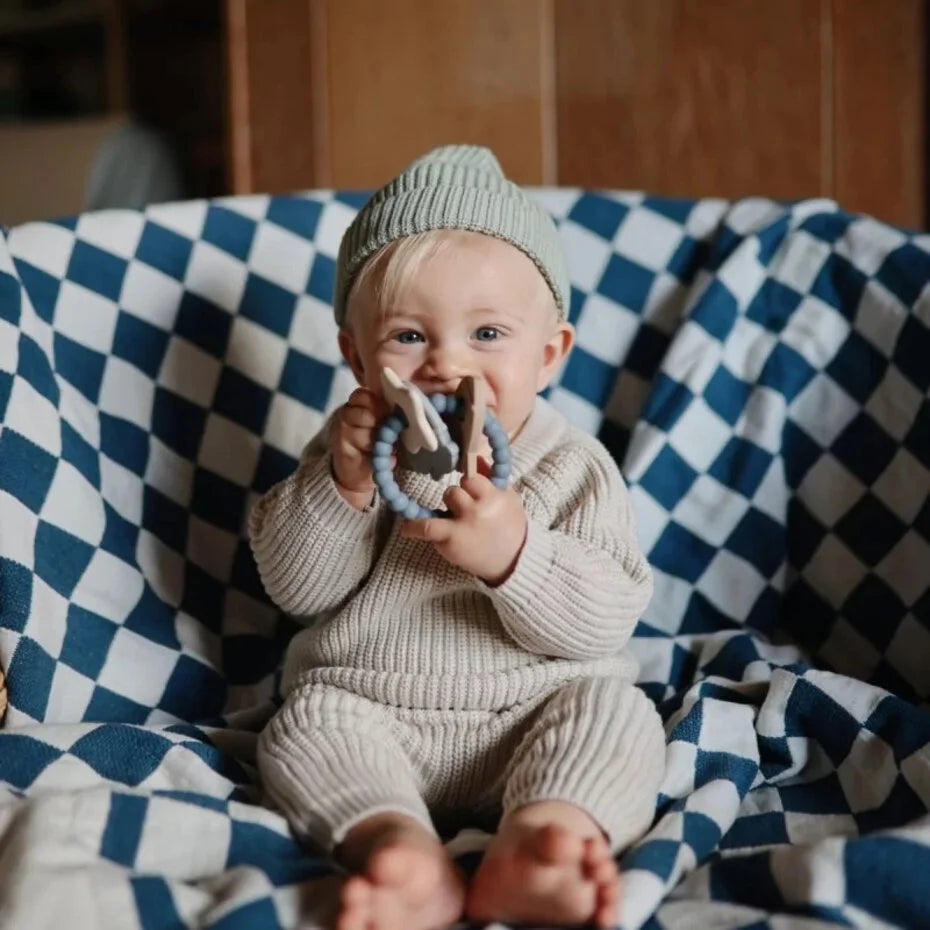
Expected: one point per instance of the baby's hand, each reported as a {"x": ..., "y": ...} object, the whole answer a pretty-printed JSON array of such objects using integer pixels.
[
  {"x": 351, "y": 440},
  {"x": 486, "y": 532}
]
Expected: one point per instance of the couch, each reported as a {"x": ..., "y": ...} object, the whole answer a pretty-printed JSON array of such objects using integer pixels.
[{"x": 759, "y": 370}]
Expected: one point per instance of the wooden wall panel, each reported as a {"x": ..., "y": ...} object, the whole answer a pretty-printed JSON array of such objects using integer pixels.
[
  {"x": 272, "y": 102},
  {"x": 689, "y": 97},
  {"x": 406, "y": 75},
  {"x": 725, "y": 98},
  {"x": 879, "y": 97}
]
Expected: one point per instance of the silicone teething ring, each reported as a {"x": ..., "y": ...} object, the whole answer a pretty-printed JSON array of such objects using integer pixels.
[{"x": 388, "y": 434}]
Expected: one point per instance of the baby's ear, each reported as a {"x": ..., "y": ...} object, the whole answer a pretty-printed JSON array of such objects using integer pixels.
[
  {"x": 350, "y": 353},
  {"x": 555, "y": 351}
]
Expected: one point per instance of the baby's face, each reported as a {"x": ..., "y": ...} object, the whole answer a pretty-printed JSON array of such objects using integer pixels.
[{"x": 481, "y": 308}]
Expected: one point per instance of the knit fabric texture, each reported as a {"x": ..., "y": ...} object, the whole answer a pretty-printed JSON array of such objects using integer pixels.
[
  {"x": 401, "y": 633},
  {"x": 402, "y": 626},
  {"x": 453, "y": 187},
  {"x": 331, "y": 759}
]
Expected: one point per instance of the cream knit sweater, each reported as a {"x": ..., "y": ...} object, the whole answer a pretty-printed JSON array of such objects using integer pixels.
[{"x": 400, "y": 625}]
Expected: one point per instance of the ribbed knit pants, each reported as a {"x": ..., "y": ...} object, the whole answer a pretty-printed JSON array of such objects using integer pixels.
[{"x": 331, "y": 758}]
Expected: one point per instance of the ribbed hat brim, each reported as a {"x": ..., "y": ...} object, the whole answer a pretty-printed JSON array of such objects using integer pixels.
[{"x": 459, "y": 187}]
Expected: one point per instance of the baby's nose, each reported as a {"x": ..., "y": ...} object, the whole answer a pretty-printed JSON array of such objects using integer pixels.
[{"x": 446, "y": 364}]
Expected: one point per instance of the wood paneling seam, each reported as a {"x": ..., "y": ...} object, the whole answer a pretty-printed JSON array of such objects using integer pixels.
[
  {"x": 240, "y": 134},
  {"x": 548, "y": 109},
  {"x": 319, "y": 95},
  {"x": 827, "y": 101}
]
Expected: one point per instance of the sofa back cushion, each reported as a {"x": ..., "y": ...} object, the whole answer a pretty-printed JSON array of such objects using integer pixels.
[{"x": 757, "y": 369}]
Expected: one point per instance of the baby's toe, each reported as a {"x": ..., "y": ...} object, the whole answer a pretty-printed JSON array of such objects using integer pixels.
[
  {"x": 389, "y": 866},
  {"x": 606, "y": 915},
  {"x": 596, "y": 854},
  {"x": 604, "y": 873},
  {"x": 553, "y": 844},
  {"x": 355, "y": 892},
  {"x": 608, "y": 895},
  {"x": 355, "y": 901},
  {"x": 596, "y": 849}
]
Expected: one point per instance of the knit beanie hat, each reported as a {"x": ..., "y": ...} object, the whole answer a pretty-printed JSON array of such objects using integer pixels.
[{"x": 453, "y": 187}]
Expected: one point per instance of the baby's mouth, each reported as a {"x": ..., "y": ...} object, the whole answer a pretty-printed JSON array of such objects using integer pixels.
[{"x": 453, "y": 389}]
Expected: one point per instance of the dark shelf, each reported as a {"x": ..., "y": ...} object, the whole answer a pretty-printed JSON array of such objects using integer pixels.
[
  {"x": 161, "y": 62},
  {"x": 45, "y": 20}
]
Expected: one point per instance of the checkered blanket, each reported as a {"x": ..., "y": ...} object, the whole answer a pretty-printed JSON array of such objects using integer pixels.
[{"x": 760, "y": 371}]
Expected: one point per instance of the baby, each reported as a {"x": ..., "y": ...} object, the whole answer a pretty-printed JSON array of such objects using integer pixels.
[{"x": 470, "y": 666}]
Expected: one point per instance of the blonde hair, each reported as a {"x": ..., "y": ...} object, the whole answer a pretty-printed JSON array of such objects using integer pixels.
[{"x": 388, "y": 272}]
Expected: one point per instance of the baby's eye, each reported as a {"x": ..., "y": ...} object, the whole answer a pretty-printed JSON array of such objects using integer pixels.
[
  {"x": 487, "y": 333},
  {"x": 408, "y": 337}
]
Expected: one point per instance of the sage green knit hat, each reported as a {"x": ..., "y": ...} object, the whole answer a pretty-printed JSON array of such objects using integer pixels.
[{"x": 453, "y": 187}]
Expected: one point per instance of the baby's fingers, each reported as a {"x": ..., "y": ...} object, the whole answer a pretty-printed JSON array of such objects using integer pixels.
[
  {"x": 457, "y": 500},
  {"x": 359, "y": 417},
  {"x": 366, "y": 399},
  {"x": 433, "y": 530},
  {"x": 478, "y": 488},
  {"x": 355, "y": 441}
]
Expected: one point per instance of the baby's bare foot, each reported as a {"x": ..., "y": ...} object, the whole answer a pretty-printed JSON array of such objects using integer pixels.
[
  {"x": 546, "y": 875},
  {"x": 409, "y": 883}
]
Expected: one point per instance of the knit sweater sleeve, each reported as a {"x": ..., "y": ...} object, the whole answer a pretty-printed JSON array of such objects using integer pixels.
[
  {"x": 311, "y": 546},
  {"x": 581, "y": 582}
]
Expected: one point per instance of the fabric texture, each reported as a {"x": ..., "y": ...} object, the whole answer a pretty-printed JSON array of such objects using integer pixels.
[
  {"x": 331, "y": 758},
  {"x": 756, "y": 369},
  {"x": 453, "y": 187},
  {"x": 406, "y": 627}
]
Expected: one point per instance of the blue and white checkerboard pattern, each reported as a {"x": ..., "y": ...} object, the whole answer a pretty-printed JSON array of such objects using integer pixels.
[{"x": 761, "y": 372}]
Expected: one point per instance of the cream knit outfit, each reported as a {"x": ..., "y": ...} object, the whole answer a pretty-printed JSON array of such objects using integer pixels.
[{"x": 420, "y": 688}]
